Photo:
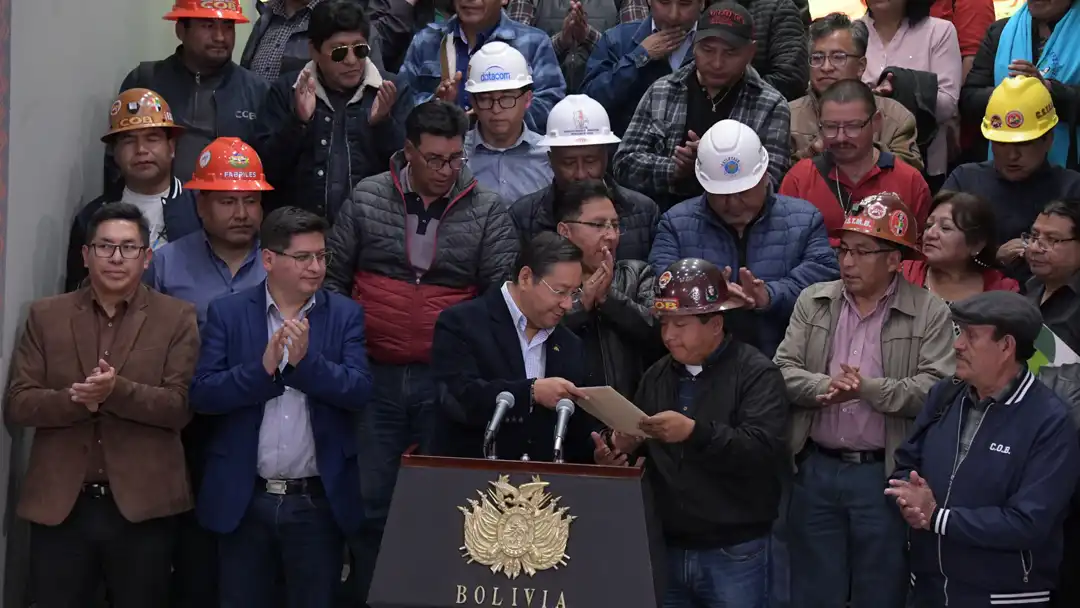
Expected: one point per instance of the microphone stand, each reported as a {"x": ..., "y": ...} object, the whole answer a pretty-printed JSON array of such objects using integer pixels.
[{"x": 489, "y": 448}]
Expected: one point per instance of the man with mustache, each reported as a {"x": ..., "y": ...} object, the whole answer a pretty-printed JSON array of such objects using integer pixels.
[
  {"x": 859, "y": 358},
  {"x": 142, "y": 139},
  {"x": 219, "y": 260},
  {"x": 852, "y": 167},
  {"x": 210, "y": 95}
]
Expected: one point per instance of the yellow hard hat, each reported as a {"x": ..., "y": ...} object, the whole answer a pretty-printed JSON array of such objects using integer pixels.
[{"x": 1019, "y": 110}]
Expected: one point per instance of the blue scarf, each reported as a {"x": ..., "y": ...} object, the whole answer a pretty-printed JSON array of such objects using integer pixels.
[{"x": 1060, "y": 61}]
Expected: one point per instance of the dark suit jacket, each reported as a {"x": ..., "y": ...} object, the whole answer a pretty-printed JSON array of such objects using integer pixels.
[
  {"x": 154, "y": 353},
  {"x": 230, "y": 381},
  {"x": 476, "y": 355}
]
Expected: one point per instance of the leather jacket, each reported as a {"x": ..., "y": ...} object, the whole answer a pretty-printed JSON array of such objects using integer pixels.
[{"x": 629, "y": 334}]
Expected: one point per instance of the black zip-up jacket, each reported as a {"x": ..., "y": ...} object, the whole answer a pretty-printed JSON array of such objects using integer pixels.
[
  {"x": 638, "y": 215},
  {"x": 237, "y": 98},
  {"x": 628, "y": 334},
  {"x": 721, "y": 486},
  {"x": 181, "y": 219},
  {"x": 296, "y": 156}
]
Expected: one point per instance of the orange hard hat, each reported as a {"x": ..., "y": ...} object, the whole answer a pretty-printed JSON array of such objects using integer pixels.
[
  {"x": 229, "y": 10},
  {"x": 228, "y": 164},
  {"x": 139, "y": 109},
  {"x": 885, "y": 216}
]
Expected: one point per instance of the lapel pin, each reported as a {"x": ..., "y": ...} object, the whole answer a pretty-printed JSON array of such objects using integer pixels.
[{"x": 556, "y": 348}]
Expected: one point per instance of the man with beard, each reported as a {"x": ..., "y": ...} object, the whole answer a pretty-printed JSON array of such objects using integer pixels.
[
  {"x": 142, "y": 139},
  {"x": 852, "y": 167},
  {"x": 211, "y": 96}
]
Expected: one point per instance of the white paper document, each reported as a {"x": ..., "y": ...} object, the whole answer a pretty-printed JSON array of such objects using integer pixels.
[{"x": 617, "y": 412}]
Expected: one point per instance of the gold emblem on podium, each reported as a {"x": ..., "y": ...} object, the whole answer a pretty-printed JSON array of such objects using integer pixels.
[{"x": 516, "y": 529}]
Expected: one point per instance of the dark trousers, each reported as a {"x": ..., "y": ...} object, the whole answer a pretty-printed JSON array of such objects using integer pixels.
[
  {"x": 295, "y": 534},
  {"x": 726, "y": 577},
  {"x": 398, "y": 415},
  {"x": 847, "y": 539},
  {"x": 68, "y": 562},
  {"x": 195, "y": 567}
]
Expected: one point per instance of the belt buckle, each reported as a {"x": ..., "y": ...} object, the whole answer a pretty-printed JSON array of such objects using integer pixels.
[
  {"x": 276, "y": 486},
  {"x": 851, "y": 457}
]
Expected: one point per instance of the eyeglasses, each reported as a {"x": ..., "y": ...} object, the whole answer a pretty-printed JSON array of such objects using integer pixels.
[
  {"x": 108, "y": 250},
  {"x": 854, "y": 129},
  {"x": 574, "y": 295},
  {"x": 601, "y": 226},
  {"x": 505, "y": 102},
  {"x": 360, "y": 51},
  {"x": 305, "y": 259},
  {"x": 858, "y": 254},
  {"x": 436, "y": 163},
  {"x": 837, "y": 59},
  {"x": 1044, "y": 242}
]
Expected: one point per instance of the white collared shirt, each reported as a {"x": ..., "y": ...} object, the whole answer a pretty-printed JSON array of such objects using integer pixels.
[{"x": 532, "y": 351}]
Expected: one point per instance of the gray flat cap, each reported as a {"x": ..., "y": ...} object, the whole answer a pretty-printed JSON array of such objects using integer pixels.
[{"x": 1011, "y": 313}]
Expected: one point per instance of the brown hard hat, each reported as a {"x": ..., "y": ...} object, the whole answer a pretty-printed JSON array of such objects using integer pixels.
[
  {"x": 885, "y": 216},
  {"x": 692, "y": 286},
  {"x": 140, "y": 109}
]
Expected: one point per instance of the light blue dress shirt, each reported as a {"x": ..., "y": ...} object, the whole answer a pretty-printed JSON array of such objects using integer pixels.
[
  {"x": 532, "y": 351},
  {"x": 286, "y": 442},
  {"x": 514, "y": 172}
]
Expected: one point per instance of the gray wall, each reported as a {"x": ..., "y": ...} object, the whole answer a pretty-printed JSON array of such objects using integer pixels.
[{"x": 67, "y": 59}]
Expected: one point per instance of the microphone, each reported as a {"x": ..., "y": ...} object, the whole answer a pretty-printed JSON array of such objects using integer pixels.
[
  {"x": 504, "y": 401},
  {"x": 563, "y": 410}
]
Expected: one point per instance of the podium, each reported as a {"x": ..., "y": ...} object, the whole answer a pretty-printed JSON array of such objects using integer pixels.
[{"x": 472, "y": 532}]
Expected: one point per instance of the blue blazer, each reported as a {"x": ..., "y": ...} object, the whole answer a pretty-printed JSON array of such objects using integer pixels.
[
  {"x": 230, "y": 382},
  {"x": 475, "y": 355}
]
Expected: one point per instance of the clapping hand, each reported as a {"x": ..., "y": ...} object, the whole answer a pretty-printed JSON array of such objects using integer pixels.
[
  {"x": 304, "y": 95},
  {"x": 843, "y": 387},
  {"x": 97, "y": 387},
  {"x": 915, "y": 499},
  {"x": 384, "y": 101}
]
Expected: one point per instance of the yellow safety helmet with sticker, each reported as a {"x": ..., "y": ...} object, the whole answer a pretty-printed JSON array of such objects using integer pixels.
[{"x": 1020, "y": 110}]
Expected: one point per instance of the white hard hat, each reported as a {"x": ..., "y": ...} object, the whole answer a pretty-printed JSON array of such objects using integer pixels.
[
  {"x": 578, "y": 120},
  {"x": 730, "y": 158},
  {"x": 497, "y": 66}
]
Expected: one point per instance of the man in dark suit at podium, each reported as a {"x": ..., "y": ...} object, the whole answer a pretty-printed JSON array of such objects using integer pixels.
[{"x": 510, "y": 340}]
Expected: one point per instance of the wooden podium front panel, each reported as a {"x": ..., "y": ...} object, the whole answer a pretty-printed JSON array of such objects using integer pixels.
[{"x": 609, "y": 562}]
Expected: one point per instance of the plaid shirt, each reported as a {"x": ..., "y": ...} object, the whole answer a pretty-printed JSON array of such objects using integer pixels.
[
  {"x": 645, "y": 159},
  {"x": 267, "y": 59},
  {"x": 524, "y": 11}
]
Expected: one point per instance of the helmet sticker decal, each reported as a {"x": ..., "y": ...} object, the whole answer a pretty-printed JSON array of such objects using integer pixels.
[
  {"x": 710, "y": 293},
  {"x": 133, "y": 107},
  {"x": 204, "y": 159},
  {"x": 1014, "y": 119},
  {"x": 115, "y": 108},
  {"x": 898, "y": 223},
  {"x": 495, "y": 73},
  {"x": 876, "y": 210},
  {"x": 238, "y": 160},
  {"x": 695, "y": 295},
  {"x": 731, "y": 166},
  {"x": 995, "y": 121},
  {"x": 664, "y": 279}
]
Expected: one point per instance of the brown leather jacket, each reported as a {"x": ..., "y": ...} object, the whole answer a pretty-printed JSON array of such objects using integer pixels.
[
  {"x": 897, "y": 130},
  {"x": 154, "y": 354}
]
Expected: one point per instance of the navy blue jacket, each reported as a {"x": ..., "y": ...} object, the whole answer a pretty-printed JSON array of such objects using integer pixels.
[
  {"x": 181, "y": 219},
  {"x": 475, "y": 355},
  {"x": 230, "y": 382},
  {"x": 997, "y": 529}
]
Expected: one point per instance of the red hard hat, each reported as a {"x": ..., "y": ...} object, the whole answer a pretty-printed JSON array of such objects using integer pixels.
[
  {"x": 885, "y": 216},
  {"x": 228, "y": 164},
  {"x": 229, "y": 10},
  {"x": 692, "y": 286}
]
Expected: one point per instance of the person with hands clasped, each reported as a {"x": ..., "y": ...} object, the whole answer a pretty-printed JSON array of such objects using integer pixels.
[
  {"x": 858, "y": 358},
  {"x": 713, "y": 446},
  {"x": 613, "y": 317},
  {"x": 281, "y": 486},
  {"x": 102, "y": 374},
  {"x": 986, "y": 477},
  {"x": 336, "y": 122},
  {"x": 511, "y": 340},
  {"x": 772, "y": 245}
]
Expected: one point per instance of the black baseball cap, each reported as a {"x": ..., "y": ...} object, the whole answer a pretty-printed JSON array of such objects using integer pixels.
[{"x": 727, "y": 21}]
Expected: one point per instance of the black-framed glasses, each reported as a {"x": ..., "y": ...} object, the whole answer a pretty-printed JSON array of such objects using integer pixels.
[
  {"x": 506, "y": 102},
  {"x": 127, "y": 251},
  {"x": 858, "y": 254},
  {"x": 436, "y": 163},
  {"x": 360, "y": 51},
  {"x": 852, "y": 129},
  {"x": 573, "y": 294},
  {"x": 307, "y": 257},
  {"x": 1044, "y": 242},
  {"x": 601, "y": 226},
  {"x": 837, "y": 59}
]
